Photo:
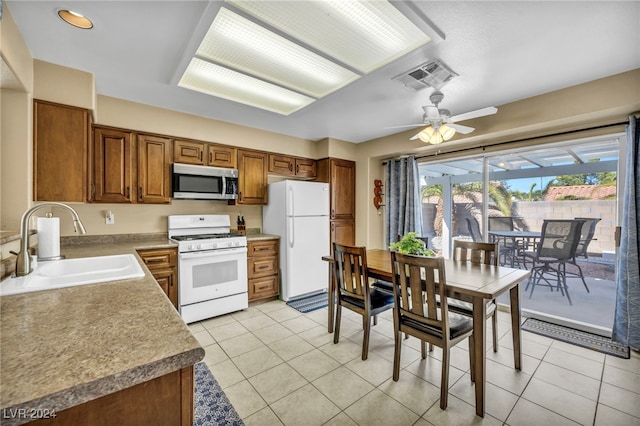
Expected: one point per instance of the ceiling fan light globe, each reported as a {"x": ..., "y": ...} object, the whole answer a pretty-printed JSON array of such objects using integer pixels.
[
  {"x": 436, "y": 138},
  {"x": 424, "y": 137},
  {"x": 447, "y": 132}
]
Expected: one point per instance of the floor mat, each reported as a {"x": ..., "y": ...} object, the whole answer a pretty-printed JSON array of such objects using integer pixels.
[
  {"x": 576, "y": 337},
  {"x": 310, "y": 303},
  {"x": 211, "y": 405}
]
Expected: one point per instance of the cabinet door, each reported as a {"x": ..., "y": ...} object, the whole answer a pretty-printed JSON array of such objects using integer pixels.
[
  {"x": 343, "y": 189},
  {"x": 60, "y": 142},
  {"x": 113, "y": 166},
  {"x": 188, "y": 152},
  {"x": 221, "y": 156},
  {"x": 154, "y": 169},
  {"x": 343, "y": 232},
  {"x": 281, "y": 164},
  {"x": 306, "y": 167},
  {"x": 167, "y": 281},
  {"x": 262, "y": 288},
  {"x": 252, "y": 180}
]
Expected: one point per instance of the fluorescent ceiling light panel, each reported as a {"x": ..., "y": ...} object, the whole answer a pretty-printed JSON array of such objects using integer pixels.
[
  {"x": 241, "y": 44},
  {"x": 362, "y": 34},
  {"x": 216, "y": 80}
]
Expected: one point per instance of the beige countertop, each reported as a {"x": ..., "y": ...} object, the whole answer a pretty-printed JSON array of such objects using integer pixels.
[
  {"x": 259, "y": 237},
  {"x": 60, "y": 348}
]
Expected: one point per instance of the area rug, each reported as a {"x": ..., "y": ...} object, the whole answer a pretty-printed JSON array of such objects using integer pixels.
[
  {"x": 212, "y": 407},
  {"x": 309, "y": 303},
  {"x": 576, "y": 337}
]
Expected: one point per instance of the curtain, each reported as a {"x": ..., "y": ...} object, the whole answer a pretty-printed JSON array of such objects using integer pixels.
[
  {"x": 403, "y": 201},
  {"x": 626, "y": 325}
]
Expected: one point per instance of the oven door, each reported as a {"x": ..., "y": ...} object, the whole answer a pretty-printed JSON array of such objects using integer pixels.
[{"x": 207, "y": 275}]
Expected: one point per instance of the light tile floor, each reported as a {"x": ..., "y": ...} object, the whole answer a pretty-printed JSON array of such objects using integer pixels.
[{"x": 281, "y": 367}]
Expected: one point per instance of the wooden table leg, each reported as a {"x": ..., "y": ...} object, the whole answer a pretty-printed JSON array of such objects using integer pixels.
[
  {"x": 331, "y": 302},
  {"x": 480, "y": 358},
  {"x": 514, "y": 295}
]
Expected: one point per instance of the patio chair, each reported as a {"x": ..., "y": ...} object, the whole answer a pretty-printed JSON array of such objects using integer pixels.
[
  {"x": 510, "y": 249},
  {"x": 354, "y": 291},
  {"x": 480, "y": 253},
  {"x": 419, "y": 282},
  {"x": 586, "y": 235},
  {"x": 556, "y": 248},
  {"x": 474, "y": 229}
]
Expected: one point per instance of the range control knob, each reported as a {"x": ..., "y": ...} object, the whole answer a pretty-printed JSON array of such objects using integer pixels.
[
  {"x": 190, "y": 247},
  {"x": 199, "y": 246},
  {"x": 214, "y": 245}
]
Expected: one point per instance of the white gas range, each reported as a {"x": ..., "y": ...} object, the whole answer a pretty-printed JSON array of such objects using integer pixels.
[{"x": 212, "y": 266}]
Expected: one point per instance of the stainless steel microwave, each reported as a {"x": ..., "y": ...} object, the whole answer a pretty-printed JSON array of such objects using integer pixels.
[{"x": 194, "y": 182}]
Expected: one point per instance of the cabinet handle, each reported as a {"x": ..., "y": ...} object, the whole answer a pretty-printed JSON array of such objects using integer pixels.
[
  {"x": 290, "y": 167},
  {"x": 128, "y": 193},
  {"x": 210, "y": 157},
  {"x": 157, "y": 259},
  {"x": 297, "y": 169},
  {"x": 264, "y": 287},
  {"x": 333, "y": 213},
  {"x": 140, "y": 194},
  {"x": 240, "y": 195},
  {"x": 262, "y": 267},
  {"x": 200, "y": 155}
]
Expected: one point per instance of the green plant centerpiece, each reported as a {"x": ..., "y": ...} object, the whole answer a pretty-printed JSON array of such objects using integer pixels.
[{"x": 409, "y": 244}]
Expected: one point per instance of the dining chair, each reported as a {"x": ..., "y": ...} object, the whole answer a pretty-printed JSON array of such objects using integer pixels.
[
  {"x": 354, "y": 291},
  {"x": 479, "y": 253},
  {"x": 419, "y": 282},
  {"x": 474, "y": 229},
  {"x": 557, "y": 247}
]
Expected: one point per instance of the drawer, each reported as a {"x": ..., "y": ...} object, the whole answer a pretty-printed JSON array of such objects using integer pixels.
[
  {"x": 262, "y": 266},
  {"x": 263, "y": 287},
  {"x": 158, "y": 259},
  {"x": 263, "y": 248}
]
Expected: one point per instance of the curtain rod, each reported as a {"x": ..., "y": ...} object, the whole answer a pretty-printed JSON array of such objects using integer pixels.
[{"x": 569, "y": 132}]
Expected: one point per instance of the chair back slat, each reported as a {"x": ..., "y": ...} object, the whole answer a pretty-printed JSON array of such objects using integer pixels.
[
  {"x": 476, "y": 252},
  {"x": 419, "y": 283},
  {"x": 351, "y": 275}
]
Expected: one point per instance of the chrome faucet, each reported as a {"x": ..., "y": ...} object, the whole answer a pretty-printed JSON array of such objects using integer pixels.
[{"x": 23, "y": 262}]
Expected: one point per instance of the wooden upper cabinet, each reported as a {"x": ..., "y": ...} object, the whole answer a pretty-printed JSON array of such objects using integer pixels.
[
  {"x": 252, "y": 177},
  {"x": 189, "y": 152},
  {"x": 221, "y": 156},
  {"x": 292, "y": 166},
  {"x": 154, "y": 169},
  {"x": 60, "y": 142},
  {"x": 113, "y": 166},
  {"x": 341, "y": 175},
  {"x": 281, "y": 164},
  {"x": 306, "y": 167}
]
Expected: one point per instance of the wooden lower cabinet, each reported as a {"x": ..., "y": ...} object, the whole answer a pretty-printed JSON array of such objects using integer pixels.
[
  {"x": 343, "y": 232},
  {"x": 263, "y": 268},
  {"x": 165, "y": 400},
  {"x": 163, "y": 264}
]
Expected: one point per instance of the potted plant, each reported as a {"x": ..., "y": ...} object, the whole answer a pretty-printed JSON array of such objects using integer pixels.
[{"x": 409, "y": 244}]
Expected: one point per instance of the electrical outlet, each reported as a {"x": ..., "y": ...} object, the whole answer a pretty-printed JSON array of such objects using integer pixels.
[{"x": 110, "y": 218}]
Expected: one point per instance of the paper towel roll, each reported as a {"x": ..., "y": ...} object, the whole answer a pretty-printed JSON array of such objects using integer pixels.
[{"x": 48, "y": 237}]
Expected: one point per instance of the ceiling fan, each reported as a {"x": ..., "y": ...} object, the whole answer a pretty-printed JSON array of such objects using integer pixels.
[{"x": 441, "y": 126}]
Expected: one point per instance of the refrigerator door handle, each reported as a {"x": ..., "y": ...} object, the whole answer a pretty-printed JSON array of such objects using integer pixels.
[
  {"x": 291, "y": 208},
  {"x": 291, "y": 231}
]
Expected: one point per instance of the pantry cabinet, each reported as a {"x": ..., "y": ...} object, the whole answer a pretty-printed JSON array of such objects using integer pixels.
[
  {"x": 60, "y": 143},
  {"x": 252, "y": 177},
  {"x": 263, "y": 269},
  {"x": 341, "y": 176},
  {"x": 130, "y": 168},
  {"x": 162, "y": 264}
]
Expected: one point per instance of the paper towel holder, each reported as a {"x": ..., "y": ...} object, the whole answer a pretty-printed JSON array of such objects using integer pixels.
[{"x": 49, "y": 215}]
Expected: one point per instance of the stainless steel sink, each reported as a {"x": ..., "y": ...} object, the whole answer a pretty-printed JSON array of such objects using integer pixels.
[{"x": 73, "y": 272}]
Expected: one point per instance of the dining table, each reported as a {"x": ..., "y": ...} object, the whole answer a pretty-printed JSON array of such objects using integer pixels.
[
  {"x": 470, "y": 282},
  {"x": 522, "y": 239}
]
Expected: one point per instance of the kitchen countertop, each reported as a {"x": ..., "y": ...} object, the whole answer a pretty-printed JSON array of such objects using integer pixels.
[
  {"x": 259, "y": 237},
  {"x": 60, "y": 348}
]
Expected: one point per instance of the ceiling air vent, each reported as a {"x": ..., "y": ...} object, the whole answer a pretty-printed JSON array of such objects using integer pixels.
[{"x": 432, "y": 74}]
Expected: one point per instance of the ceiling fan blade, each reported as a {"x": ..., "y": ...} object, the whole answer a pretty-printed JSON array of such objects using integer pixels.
[
  {"x": 431, "y": 112},
  {"x": 460, "y": 128},
  {"x": 405, "y": 125},
  {"x": 474, "y": 114}
]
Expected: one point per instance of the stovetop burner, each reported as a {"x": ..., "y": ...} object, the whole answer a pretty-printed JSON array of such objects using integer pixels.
[{"x": 204, "y": 236}]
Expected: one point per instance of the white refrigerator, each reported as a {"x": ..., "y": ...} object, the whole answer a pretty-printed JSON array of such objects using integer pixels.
[{"x": 298, "y": 212}]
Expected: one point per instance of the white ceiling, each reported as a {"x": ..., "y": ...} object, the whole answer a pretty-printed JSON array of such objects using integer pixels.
[{"x": 502, "y": 52}]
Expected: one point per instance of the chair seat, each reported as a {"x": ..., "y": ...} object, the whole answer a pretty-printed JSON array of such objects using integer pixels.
[
  {"x": 466, "y": 308},
  {"x": 379, "y": 298},
  {"x": 458, "y": 325}
]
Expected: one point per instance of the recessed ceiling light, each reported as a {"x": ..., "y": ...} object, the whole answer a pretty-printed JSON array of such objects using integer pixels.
[{"x": 75, "y": 19}]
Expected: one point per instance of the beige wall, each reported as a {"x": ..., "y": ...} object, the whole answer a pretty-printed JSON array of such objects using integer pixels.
[{"x": 600, "y": 102}]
